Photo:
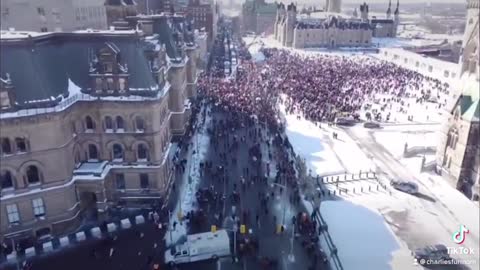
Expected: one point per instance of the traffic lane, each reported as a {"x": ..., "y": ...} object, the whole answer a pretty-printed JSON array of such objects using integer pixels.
[{"x": 271, "y": 244}]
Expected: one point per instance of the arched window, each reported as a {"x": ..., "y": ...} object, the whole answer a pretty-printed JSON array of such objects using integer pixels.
[
  {"x": 6, "y": 146},
  {"x": 33, "y": 175},
  {"x": 120, "y": 124},
  {"x": 139, "y": 123},
  {"x": 21, "y": 144},
  {"x": 108, "y": 122},
  {"x": 6, "y": 180},
  {"x": 117, "y": 152},
  {"x": 89, "y": 124},
  {"x": 142, "y": 152},
  {"x": 92, "y": 151}
]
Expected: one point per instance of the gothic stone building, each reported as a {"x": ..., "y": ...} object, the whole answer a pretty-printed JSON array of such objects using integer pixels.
[
  {"x": 331, "y": 31},
  {"x": 258, "y": 16},
  {"x": 86, "y": 122},
  {"x": 458, "y": 155}
]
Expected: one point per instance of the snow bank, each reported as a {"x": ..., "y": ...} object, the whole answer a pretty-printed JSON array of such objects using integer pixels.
[
  {"x": 363, "y": 238},
  {"x": 310, "y": 142},
  {"x": 187, "y": 201}
]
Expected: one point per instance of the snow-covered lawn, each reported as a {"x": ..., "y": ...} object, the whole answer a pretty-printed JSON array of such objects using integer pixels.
[
  {"x": 402, "y": 221},
  {"x": 363, "y": 238}
]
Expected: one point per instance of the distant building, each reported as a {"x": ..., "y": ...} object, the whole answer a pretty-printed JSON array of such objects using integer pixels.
[
  {"x": 258, "y": 16},
  {"x": 387, "y": 27},
  {"x": 205, "y": 16},
  {"x": 333, "y": 6},
  {"x": 458, "y": 154},
  {"x": 333, "y": 30},
  {"x": 87, "y": 118},
  {"x": 52, "y": 15},
  {"x": 119, "y": 9}
]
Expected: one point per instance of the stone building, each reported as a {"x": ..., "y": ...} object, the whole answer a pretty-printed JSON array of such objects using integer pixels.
[
  {"x": 387, "y": 27},
  {"x": 458, "y": 154},
  {"x": 52, "y": 15},
  {"x": 86, "y": 121},
  {"x": 205, "y": 16},
  {"x": 258, "y": 16},
  {"x": 119, "y": 9},
  {"x": 332, "y": 30},
  {"x": 333, "y": 6}
]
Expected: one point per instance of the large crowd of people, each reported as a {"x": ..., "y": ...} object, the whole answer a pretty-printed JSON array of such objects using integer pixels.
[{"x": 320, "y": 87}]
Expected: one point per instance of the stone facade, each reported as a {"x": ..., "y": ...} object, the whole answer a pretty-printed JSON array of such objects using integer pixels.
[
  {"x": 258, "y": 16},
  {"x": 459, "y": 149},
  {"x": 387, "y": 27},
  {"x": 107, "y": 142},
  {"x": 332, "y": 31}
]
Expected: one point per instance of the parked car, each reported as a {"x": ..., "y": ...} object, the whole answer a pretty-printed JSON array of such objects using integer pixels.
[
  {"x": 345, "y": 121},
  {"x": 199, "y": 247},
  {"x": 371, "y": 125},
  {"x": 433, "y": 252},
  {"x": 405, "y": 186}
]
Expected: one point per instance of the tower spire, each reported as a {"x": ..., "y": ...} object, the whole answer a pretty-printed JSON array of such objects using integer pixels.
[{"x": 389, "y": 10}]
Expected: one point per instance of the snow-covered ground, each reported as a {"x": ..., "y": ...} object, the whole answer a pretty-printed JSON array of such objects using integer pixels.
[
  {"x": 364, "y": 240},
  {"x": 388, "y": 223},
  {"x": 188, "y": 187}
]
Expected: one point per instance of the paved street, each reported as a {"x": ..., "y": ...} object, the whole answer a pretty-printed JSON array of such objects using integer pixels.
[
  {"x": 227, "y": 180},
  {"x": 246, "y": 178}
]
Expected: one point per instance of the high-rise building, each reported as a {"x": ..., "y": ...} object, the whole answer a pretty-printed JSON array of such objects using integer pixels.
[{"x": 458, "y": 155}]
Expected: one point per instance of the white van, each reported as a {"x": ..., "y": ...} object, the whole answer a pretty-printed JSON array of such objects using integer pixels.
[{"x": 198, "y": 247}]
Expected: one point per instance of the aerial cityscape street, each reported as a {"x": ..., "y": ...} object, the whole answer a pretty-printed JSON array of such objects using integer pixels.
[{"x": 173, "y": 134}]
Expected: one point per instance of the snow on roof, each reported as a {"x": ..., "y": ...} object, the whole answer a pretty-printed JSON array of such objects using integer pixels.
[
  {"x": 79, "y": 96},
  {"x": 111, "y": 31},
  {"x": 73, "y": 89},
  {"x": 91, "y": 168},
  {"x": 21, "y": 34},
  {"x": 75, "y": 178}
]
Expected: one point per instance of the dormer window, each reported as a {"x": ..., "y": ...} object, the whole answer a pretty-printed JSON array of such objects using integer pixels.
[
  {"x": 6, "y": 93},
  {"x": 4, "y": 100},
  {"x": 107, "y": 68}
]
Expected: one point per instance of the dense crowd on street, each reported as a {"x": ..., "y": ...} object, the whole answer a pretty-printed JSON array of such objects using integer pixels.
[{"x": 321, "y": 87}]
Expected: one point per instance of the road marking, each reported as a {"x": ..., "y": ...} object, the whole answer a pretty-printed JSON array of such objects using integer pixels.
[
  {"x": 219, "y": 265},
  {"x": 244, "y": 264}
]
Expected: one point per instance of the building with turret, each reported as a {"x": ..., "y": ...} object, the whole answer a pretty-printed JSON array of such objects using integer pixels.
[
  {"x": 458, "y": 154},
  {"x": 258, "y": 16},
  {"x": 87, "y": 119},
  {"x": 331, "y": 30},
  {"x": 383, "y": 27},
  {"x": 333, "y": 6}
]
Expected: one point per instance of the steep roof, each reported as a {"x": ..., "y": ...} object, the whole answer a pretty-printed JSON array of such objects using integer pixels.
[{"x": 41, "y": 68}]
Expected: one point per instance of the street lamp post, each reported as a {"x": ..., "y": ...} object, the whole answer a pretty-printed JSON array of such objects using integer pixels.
[
  {"x": 235, "y": 228},
  {"x": 291, "y": 257},
  {"x": 170, "y": 226},
  {"x": 284, "y": 201}
]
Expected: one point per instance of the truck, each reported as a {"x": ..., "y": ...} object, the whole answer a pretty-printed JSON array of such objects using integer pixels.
[{"x": 199, "y": 247}]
